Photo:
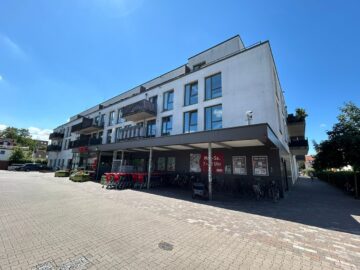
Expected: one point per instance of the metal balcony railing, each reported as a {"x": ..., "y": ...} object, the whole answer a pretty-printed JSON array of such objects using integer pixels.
[
  {"x": 87, "y": 124},
  {"x": 141, "y": 109},
  {"x": 56, "y": 135},
  {"x": 299, "y": 143},
  {"x": 130, "y": 133},
  {"x": 84, "y": 142},
  {"x": 53, "y": 148}
]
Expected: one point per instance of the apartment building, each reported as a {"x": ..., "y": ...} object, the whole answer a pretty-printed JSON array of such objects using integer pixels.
[{"x": 225, "y": 105}]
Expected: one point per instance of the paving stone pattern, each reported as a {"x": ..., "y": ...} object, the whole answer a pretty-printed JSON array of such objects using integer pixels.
[{"x": 53, "y": 223}]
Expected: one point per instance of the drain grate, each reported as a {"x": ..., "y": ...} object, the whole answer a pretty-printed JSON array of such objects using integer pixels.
[
  {"x": 165, "y": 246},
  {"x": 44, "y": 266},
  {"x": 76, "y": 264}
]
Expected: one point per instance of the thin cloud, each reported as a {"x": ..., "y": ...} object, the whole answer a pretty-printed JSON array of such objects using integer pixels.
[
  {"x": 36, "y": 133},
  {"x": 322, "y": 125},
  {"x": 12, "y": 46},
  {"x": 39, "y": 134},
  {"x": 1, "y": 78}
]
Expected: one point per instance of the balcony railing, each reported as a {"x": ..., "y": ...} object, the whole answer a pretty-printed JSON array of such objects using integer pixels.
[
  {"x": 87, "y": 125},
  {"x": 56, "y": 135},
  {"x": 299, "y": 143},
  {"x": 130, "y": 133},
  {"x": 53, "y": 148},
  {"x": 139, "y": 110},
  {"x": 84, "y": 142},
  {"x": 294, "y": 119}
]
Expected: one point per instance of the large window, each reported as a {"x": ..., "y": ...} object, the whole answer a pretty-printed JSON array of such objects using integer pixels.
[
  {"x": 213, "y": 86},
  {"x": 191, "y": 94},
  {"x": 112, "y": 118},
  {"x": 168, "y": 100},
  {"x": 213, "y": 117},
  {"x": 166, "y": 125},
  {"x": 119, "y": 114},
  {"x": 190, "y": 121},
  {"x": 108, "y": 136},
  {"x": 102, "y": 120},
  {"x": 151, "y": 128}
]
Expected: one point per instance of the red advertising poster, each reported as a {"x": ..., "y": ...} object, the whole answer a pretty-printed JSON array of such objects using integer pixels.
[{"x": 217, "y": 160}]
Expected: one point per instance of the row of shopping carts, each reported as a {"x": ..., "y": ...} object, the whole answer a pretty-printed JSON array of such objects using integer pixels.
[{"x": 123, "y": 180}]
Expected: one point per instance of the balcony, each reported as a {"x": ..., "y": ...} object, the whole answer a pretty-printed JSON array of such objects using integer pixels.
[
  {"x": 86, "y": 126},
  {"x": 56, "y": 135},
  {"x": 84, "y": 142},
  {"x": 53, "y": 148},
  {"x": 139, "y": 110},
  {"x": 299, "y": 147},
  {"x": 296, "y": 125},
  {"x": 131, "y": 133}
]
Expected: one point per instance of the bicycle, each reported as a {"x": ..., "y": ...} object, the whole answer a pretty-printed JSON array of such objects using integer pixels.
[{"x": 274, "y": 192}]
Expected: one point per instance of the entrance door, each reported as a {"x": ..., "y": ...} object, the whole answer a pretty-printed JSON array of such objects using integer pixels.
[{"x": 286, "y": 177}]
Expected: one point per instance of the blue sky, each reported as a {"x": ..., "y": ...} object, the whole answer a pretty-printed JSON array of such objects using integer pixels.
[{"x": 60, "y": 57}]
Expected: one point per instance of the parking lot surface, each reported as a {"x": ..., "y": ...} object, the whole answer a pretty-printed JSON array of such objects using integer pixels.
[{"x": 53, "y": 223}]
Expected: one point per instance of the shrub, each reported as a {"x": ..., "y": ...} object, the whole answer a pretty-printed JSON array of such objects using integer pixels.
[{"x": 343, "y": 179}]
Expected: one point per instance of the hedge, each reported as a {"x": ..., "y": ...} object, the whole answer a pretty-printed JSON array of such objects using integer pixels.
[{"x": 343, "y": 180}]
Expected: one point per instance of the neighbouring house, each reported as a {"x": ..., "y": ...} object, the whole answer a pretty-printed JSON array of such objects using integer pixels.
[
  {"x": 40, "y": 151},
  {"x": 225, "y": 104}
]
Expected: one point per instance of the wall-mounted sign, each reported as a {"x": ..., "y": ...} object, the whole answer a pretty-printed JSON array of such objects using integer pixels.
[
  {"x": 260, "y": 165},
  {"x": 161, "y": 164},
  {"x": 217, "y": 162},
  {"x": 171, "y": 164},
  {"x": 195, "y": 163},
  {"x": 239, "y": 165}
]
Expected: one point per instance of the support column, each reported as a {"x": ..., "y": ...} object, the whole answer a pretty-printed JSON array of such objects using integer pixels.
[
  {"x": 210, "y": 170},
  {"x": 112, "y": 163},
  {"x": 98, "y": 165},
  {"x": 122, "y": 159},
  {"x": 149, "y": 168}
]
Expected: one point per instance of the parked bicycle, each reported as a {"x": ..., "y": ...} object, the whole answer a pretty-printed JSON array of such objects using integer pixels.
[
  {"x": 274, "y": 192},
  {"x": 258, "y": 191}
]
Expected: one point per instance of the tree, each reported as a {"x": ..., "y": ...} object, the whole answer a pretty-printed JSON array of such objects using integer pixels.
[
  {"x": 21, "y": 136},
  {"x": 342, "y": 147},
  {"x": 17, "y": 155}
]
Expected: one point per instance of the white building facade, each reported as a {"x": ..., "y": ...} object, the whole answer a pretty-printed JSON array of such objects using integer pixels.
[{"x": 229, "y": 96}]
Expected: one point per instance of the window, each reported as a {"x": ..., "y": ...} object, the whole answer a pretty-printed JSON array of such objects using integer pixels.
[
  {"x": 112, "y": 118},
  {"x": 97, "y": 120},
  {"x": 190, "y": 121},
  {"x": 102, "y": 120},
  {"x": 119, "y": 114},
  {"x": 166, "y": 126},
  {"x": 153, "y": 100},
  {"x": 213, "y": 86},
  {"x": 108, "y": 136},
  {"x": 100, "y": 135},
  {"x": 168, "y": 100},
  {"x": 191, "y": 94},
  {"x": 151, "y": 128},
  {"x": 213, "y": 117},
  {"x": 2, "y": 152},
  {"x": 117, "y": 134}
]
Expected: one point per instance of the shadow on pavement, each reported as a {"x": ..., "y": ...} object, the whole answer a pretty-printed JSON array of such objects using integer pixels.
[{"x": 311, "y": 203}]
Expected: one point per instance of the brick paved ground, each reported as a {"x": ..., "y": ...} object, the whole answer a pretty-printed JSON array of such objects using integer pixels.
[{"x": 52, "y": 223}]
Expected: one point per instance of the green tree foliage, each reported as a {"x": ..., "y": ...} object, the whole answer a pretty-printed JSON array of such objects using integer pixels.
[
  {"x": 17, "y": 155},
  {"x": 342, "y": 147},
  {"x": 21, "y": 136}
]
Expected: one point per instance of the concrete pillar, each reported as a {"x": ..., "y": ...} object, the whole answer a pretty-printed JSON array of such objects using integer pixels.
[
  {"x": 210, "y": 170},
  {"x": 149, "y": 169}
]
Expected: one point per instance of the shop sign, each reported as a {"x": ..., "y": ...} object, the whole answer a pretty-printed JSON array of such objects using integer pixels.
[
  {"x": 239, "y": 165},
  {"x": 171, "y": 164},
  {"x": 260, "y": 165},
  {"x": 83, "y": 149},
  {"x": 217, "y": 162},
  {"x": 195, "y": 163}
]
